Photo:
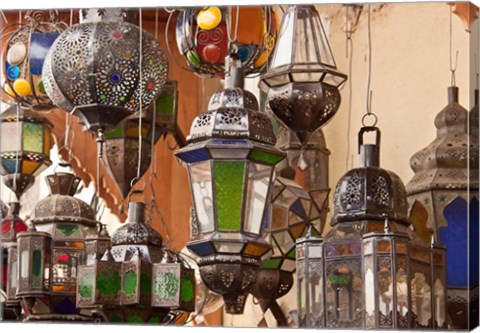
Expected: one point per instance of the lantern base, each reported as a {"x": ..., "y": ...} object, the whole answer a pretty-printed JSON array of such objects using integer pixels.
[
  {"x": 270, "y": 285},
  {"x": 42, "y": 107},
  {"x": 133, "y": 314},
  {"x": 101, "y": 117},
  {"x": 19, "y": 183}
]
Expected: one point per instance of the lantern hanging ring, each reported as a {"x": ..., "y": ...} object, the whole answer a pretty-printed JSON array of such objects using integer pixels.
[{"x": 370, "y": 114}]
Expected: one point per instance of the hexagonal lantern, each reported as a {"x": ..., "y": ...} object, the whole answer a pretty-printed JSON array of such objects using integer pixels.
[
  {"x": 25, "y": 142},
  {"x": 97, "y": 245},
  {"x": 230, "y": 159},
  {"x": 302, "y": 81}
]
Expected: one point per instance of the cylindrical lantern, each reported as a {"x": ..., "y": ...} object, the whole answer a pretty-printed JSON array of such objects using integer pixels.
[
  {"x": 230, "y": 160},
  {"x": 25, "y": 142},
  {"x": 302, "y": 81},
  {"x": 22, "y": 60}
]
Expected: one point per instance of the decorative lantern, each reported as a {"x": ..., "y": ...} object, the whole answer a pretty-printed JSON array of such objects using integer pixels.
[
  {"x": 443, "y": 196},
  {"x": 302, "y": 81},
  {"x": 93, "y": 70},
  {"x": 97, "y": 245},
  {"x": 22, "y": 60},
  {"x": 206, "y": 36},
  {"x": 69, "y": 221},
  {"x": 230, "y": 160},
  {"x": 25, "y": 142}
]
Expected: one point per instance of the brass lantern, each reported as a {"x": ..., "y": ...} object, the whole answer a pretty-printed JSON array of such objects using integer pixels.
[
  {"x": 230, "y": 160},
  {"x": 443, "y": 196},
  {"x": 25, "y": 142},
  {"x": 302, "y": 81}
]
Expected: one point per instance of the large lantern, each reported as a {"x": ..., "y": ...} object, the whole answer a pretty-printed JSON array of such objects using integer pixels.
[
  {"x": 443, "y": 196},
  {"x": 230, "y": 160},
  {"x": 206, "y": 36},
  {"x": 93, "y": 70},
  {"x": 22, "y": 60},
  {"x": 302, "y": 81},
  {"x": 25, "y": 142}
]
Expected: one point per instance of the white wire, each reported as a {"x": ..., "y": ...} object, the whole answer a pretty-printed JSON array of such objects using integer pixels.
[{"x": 140, "y": 97}]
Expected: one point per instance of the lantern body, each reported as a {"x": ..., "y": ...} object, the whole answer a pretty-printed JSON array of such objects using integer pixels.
[
  {"x": 443, "y": 197},
  {"x": 25, "y": 148},
  {"x": 22, "y": 61},
  {"x": 104, "y": 60},
  {"x": 206, "y": 44}
]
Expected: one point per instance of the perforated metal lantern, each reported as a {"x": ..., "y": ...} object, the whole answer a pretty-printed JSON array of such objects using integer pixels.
[
  {"x": 25, "y": 142},
  {"x": 443, "y": 198},
  {"x": 302, "y": 81},
  {"x": 230, "y": 159},
  {"x": 202, "y": 37},
  {"x": 97, "y": 245},
  {"x": 22, "y": 59},
  {"x": 93, "y": 71}
]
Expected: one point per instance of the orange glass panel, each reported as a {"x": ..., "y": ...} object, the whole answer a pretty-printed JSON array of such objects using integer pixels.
[
  {"x": 29, "y": 167},
  {"x": 255, "y": 250},
  {"x": 48, "y": 141},
  {"x": 401, "y": 248},
  {"x": 383, "y": 246},
  {"x": 58, "y": 288}
]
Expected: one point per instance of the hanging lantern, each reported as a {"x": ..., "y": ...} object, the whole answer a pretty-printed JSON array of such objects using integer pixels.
[
  {"x": 230, "y": 159},
  {"x": 22, "y": 60},
  {"x": 93, "y": 70},
  {"x": 121, "y": 150},
  {"x": 302, "y": 81},
  {"x": 443, "y": 196},
  {"x": 206, "y": 36},
  {"x": 25, "y": 142},
  {"x": 97, "y": 245}
]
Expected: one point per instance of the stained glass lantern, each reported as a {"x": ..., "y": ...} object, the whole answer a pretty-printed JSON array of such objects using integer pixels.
[
  {"x": 10, "y": 226},
  {"x": 93, "y": 71},
  {"x": 69, "y": 221},
  {"x": 230, "y": 159},
  {"x": 302, "y": 82},
  {"x": 294, "y": 210},
  {"x": 443, "y": 196},
  {"x": 25, "y": 142},
  {"x": 121, "y": 151},
  {"x": 22, "y": 61},
  {"x": 206, "y": 36}
]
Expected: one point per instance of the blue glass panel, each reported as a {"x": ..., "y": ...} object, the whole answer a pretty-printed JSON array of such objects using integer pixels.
[
  {"x": 13, "y": 72},
  {"x": 40, "y": 43},
  {"x": 65, "y": 307},
  {"x": 9, "y": 166},
  {"x": 194, "y": 156},
  {"x": 244, "y": 51},
  {"x": 230, "y": 142},
  {"x": 298, "y": 209},
  {"x": 201, "y": 249},
  {"x": 474, "y": 248},
  {"x": 454, "y": 237}
]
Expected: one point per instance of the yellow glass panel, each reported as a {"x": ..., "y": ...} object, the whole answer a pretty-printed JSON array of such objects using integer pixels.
[
  {"x": 383, "y": 246},
  {"x": 29, "y": 167},
  {"x": 255, "y": 250},
  {"x": 58, "y": 288},
  {"x": 47, "y": 142}
]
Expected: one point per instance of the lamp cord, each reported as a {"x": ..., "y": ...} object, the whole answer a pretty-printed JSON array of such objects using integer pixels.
[
  {"x": 350, "y": 94},
  {"x": 369, "y": 112},
  {"x": 140, "y": 101},
  {"x": 453, "y": 67}
]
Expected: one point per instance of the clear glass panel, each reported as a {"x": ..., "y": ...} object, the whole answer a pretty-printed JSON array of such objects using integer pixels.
[
  {"x": 385, "y": 291},
  {"x": 306, "y": 40},
  {"x": 25, "y": 262},
  {"x": 259, "y": 176},
  {"x": 201, "y": 180},
  {"x": 402, "y": 291},
  {"x": 325, "y": 53},
  {"x": 315, "y": 304},
  {"x": 8, "y": 136},
  {"x": 13, "y": 275},
  {"x": 439, "y": 303},
  {"x": 369, "y": 291},
  {"x": 421, "y": 301},
  {"x": 283, "y": 49}
]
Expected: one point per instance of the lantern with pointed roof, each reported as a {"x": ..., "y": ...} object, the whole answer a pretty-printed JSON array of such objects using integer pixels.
[
  {"x": 230, "y": 159},
  {"x": 302, "y": 81},
  {"x": 443, "y": 196}
]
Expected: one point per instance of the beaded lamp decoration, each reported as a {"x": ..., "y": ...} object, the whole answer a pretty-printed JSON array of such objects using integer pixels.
[
  {"x": 22, "y": 60},
  {"x": 302, "y": 82},
  {"x": 206, "y": 36},
  {"x": 93, "y": 70}
]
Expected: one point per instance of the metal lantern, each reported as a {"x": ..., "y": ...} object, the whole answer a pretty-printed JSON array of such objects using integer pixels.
[
  {"x": 22, "y": 60},
  {"x": 206, "y": 36},
  {"x": 302, "y": 81},
  {"x": 93, "y": 70},
  {"x": 121, "y": 150},
  {"x": 443, "y": 196},
  {"x": 97, "y": 245},
  {"x": 230, "y": 160},
  {"x": 25, "y": 142}
]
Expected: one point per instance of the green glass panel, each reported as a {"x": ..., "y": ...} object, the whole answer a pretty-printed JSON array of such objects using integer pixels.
[
  {"x": 130, "y": 283},
  {"x": 229, "y": 179},
  {"x": 292, "y": 254},
  {"x": 166, "y": 285},
  {"x": 271, "y": 263},
  {"x": 340, "y": 280},
  {"x": 187, "y": 290},
  {"x": 145, "y": 284},
  {"x": 265, "y": 157},
  {"x": 108, "y": 282},
  {"x": 67, "y": 229},
  {"x": 85, "y": 287},
  {"x": 154, "y": 320},
  {"x": 164, "y": 104},
  {"x": 37, "y": 263},
  {"x": 33, "y": 137},
  {"x": 135, "y": 319},
  {"x": 117, "y": 132},
  {"x": 116, "y": 319},
  {"x": 315, "y": 232}
]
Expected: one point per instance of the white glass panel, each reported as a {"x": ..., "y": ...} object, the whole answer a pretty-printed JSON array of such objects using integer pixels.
[
  {"x": 439, "y": 303},
  {"x": 201, "y": 180},
  {"x": 369, "y": 292},
  {"x": 13, "y": 275},
  {"x": 259, "y": 176},
  {"x": 25, "y": 260},
  {"x": 283, "y": 49},
  {"x": 402, "y": 292},
  {"x": 421, "y": 302},
  {"x": 9, "y": 134}
]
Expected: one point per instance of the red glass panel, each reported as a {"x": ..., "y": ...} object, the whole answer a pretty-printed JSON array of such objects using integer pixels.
[
  {"x": 6, "y": 227},
  {"x": 63, "y": 258},
  {"x": 20, "y": 226}
]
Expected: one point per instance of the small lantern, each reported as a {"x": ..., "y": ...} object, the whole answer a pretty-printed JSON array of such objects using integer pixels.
[
  {"x": 230, "y": 159},
  {"x": 443, "y": 196},
  {"x": 302, "y": 81},
  {"x": 206, "y": 36},
  {"x": 97, "y": 245},
  {"x": 23, "y": 57},
  {"x": 25, "y": 142}
]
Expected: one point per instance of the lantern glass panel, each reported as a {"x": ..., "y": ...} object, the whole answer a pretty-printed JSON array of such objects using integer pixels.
[
  {"x": 369, "y": 288},
  {"x": 13, "y": 273},
  {"x": 9, "y": 133},
  {"x": 25, "y": 259},
  {"x": 4, "y": 268},
  {"x": 402, "y": 293},
  {"x": 385, "y": 289},
  {"x": 421, "y": 302},
  {"x": 439, "y": 306},
  {"x": 259, "y": 176},
  {"x": 33, "y": 137},
  {"x": 283, "y": 51},
  {"x": 229, "y": 180},
  {"x": 201, "y": 180},
  {"x": 29, "y": 167}
]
